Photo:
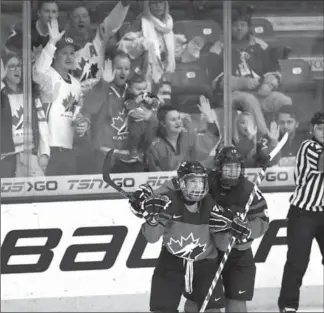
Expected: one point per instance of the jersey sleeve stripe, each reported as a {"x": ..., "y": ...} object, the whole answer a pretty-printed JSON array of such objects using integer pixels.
[
  {"x": 257, "y": 208},
  {"x": 312, "y": 153}
]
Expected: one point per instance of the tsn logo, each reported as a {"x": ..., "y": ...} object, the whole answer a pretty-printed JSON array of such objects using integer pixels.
[
  {"x": 46, "y": 252},
  {"x": 50, "y": 185}
]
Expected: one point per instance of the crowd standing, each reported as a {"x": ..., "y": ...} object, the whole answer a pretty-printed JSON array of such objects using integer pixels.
[{"x": 96, "y": 87}]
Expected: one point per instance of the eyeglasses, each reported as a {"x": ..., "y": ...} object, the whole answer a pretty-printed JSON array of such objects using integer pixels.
[{"x": 14, "y": 67}]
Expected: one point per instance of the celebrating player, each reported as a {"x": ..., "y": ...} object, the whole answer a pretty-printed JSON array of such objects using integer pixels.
[
  {"x": 231, "y": 190},
  {"x": 305, "y": 216},
  {"x": 188, "y": 258}
]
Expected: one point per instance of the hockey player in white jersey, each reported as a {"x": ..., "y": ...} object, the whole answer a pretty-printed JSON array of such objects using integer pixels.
[{"x": 61, "y": 95}]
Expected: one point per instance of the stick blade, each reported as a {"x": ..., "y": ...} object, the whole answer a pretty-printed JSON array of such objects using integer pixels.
[
  {"x": 108, "y": 163},
  {"x": 279, "y": 146},
  {"x": 107, "y": 167}
]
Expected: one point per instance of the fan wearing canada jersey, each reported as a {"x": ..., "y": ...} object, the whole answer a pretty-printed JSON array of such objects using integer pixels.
[
  {"x": 89, "y": 57},
  {"x": 61, "y": 95},
  {"x": 46, "y": 11}
]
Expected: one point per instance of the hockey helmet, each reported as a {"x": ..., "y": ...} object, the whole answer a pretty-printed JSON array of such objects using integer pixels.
[
  {"x": 229, "y": 163},
  {"x": 193, "y": 190}
]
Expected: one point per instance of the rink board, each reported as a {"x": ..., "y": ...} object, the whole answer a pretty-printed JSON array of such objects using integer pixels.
[{"x": 68, "y": 276}]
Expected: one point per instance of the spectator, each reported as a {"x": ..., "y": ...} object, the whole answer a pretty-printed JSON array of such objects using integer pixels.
[
  {"x": 253, "y": 147},
  {"x": 47, "y": 10},
  {"x": 92, "y": 43},
  {"x": 288, "y": 122},
  {"x": 8, "y": 157},
  {"x": 174, "y": 144},
  {"x": 141, "y": 132},
  {"x": 164, "y": 92},
  {"x": 255, "y": 71},
  {"x": 105, "y": 104},
  {"x": 13, "y": 94},
  {"x": 90, "y": 61},
  {"x": 150, "y": 41},
  {"x": 62, "y": 98}
]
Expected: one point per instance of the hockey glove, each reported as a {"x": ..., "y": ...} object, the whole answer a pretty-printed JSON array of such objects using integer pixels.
[
  {"x": 240, "y": 230},
  {"x": 142, "y": 193},
  {"x": 154, "y": 210},
  {"x": 220, "y": 220}
]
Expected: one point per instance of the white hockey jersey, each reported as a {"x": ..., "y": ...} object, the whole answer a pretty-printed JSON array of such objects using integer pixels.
[
  {"x": 89, "y": 61},
  {"x": 19, "y": 131},
  {"x": 90, "y": 58},
  {"x": 61, "y": 99}
]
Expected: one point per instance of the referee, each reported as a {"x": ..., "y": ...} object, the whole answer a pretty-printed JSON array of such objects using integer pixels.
[{"x": 305, "y": 219}]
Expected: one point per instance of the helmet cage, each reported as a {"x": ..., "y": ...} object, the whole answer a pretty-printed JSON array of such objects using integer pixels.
[
  {"x": 231, "y": 175},
  {"x": 193, "y": 195},
  {"x": 229, "y": 155}
]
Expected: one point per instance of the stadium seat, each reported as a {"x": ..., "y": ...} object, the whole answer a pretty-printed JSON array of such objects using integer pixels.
[
  {"x": 296, "y": 75},
  {"x": 298, "y": 83},
  {"x": 189, "y": 81},
  {"x": 318, "y": 46},
  {"x": 189, "y": 78},
  {"x": 207, "y": 29},
  {"x": 262, "y": 28}
]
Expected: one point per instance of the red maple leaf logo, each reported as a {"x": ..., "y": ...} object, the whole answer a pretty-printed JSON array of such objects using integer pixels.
[
  {"x": 69, "y": 103},
  {"x": 79, "y": 68},
  {"x": 120, "y": 123},
  {"x": 82, "y": 63},
  {"x": 188, "y": 248},
  {"x": 17, "y": 119}
]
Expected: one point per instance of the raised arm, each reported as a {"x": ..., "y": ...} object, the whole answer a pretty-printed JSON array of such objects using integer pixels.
[
  {"x": 42, "y": 69},
  {"x": 114, "y": 20}
]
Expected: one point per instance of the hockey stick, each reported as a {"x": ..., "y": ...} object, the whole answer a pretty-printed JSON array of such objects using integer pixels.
[
  {"x": 107, "y": 178},
  {"x": 257, "y": 183}
]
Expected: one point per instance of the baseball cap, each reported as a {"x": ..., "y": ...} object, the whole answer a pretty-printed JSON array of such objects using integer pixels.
[{"x": 66, "y": 41}]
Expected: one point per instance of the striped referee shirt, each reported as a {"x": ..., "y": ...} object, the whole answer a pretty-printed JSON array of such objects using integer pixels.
[{"x": 309, "y": 192}]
